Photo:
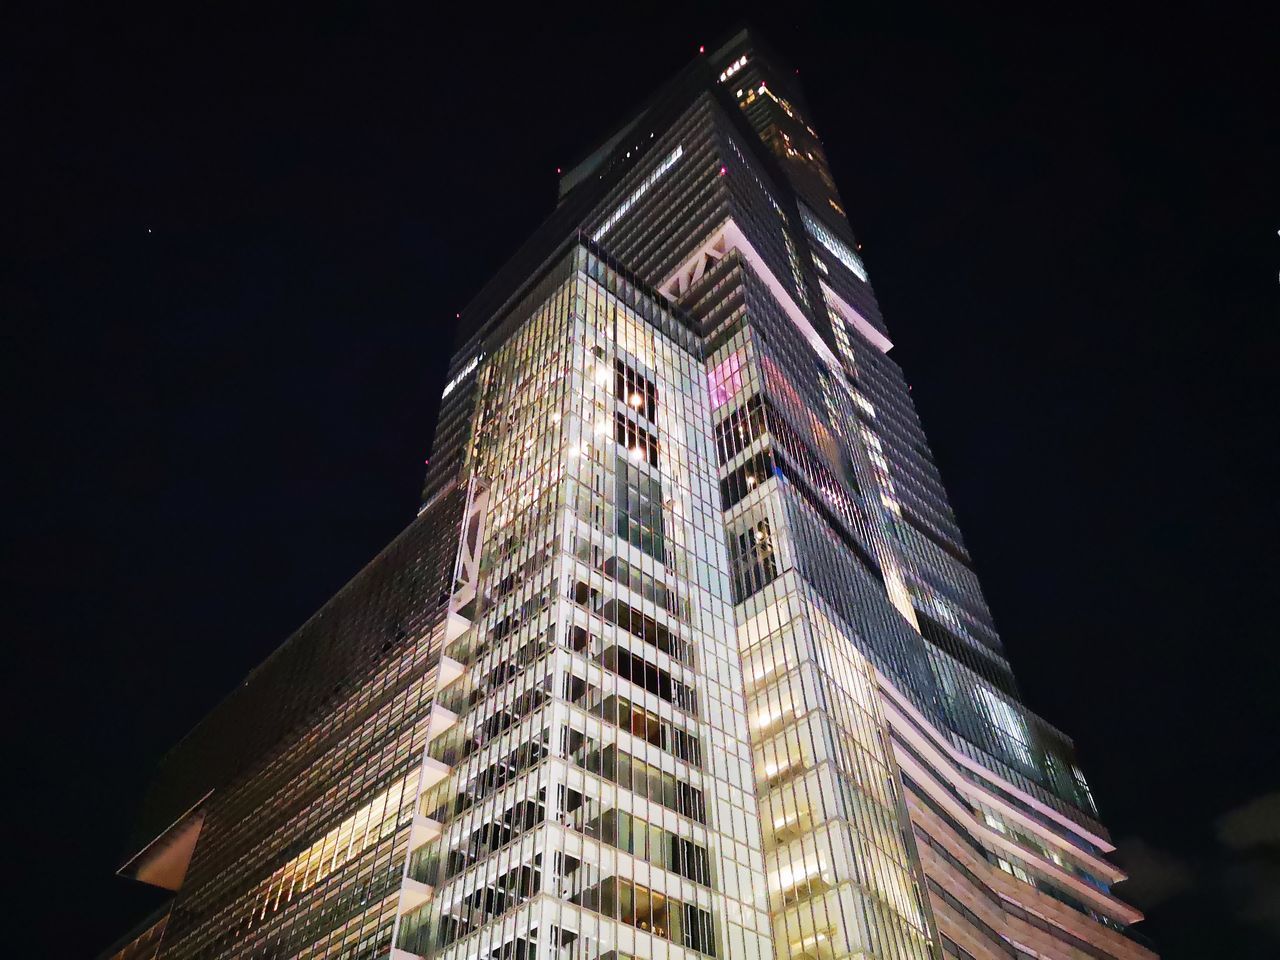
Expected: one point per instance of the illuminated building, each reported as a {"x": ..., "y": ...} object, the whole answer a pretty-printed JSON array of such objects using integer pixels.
[{"x": 683, "y": 656}]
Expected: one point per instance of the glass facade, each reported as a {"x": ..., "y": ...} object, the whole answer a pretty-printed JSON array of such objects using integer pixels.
[
  {"x": 601, "y": 796},
  {"x": 683, "y": 656}
]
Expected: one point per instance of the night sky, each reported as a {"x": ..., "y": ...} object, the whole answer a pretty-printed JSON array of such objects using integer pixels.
[{"x": 239, "y": 244}]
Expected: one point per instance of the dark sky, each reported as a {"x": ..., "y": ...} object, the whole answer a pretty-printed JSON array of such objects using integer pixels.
[{"x": 239, "y": 243}]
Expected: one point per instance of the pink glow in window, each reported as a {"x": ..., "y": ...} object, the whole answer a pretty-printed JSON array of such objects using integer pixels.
[
  {"x": 778, "y": 383},
  {"x": 725, "y": 380}
]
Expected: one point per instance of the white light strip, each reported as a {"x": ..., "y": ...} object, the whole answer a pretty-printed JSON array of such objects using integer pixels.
[
  {"x": 834, "y": 245},
  {"x": 639, "y": 192},
  {"x": 733, "y": 68},
  {"x": 859, "y": 322},
  {"x": 453, "y": 384}
]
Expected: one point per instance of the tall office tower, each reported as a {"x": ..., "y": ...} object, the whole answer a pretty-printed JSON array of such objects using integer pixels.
[{"x": 683, "y": 656}]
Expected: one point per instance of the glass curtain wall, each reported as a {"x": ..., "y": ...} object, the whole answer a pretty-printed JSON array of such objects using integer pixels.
[{"x": 600, "y": 800}]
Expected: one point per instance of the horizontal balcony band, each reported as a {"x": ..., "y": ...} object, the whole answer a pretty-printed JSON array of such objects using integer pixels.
[{"x": 413, "y": 894}]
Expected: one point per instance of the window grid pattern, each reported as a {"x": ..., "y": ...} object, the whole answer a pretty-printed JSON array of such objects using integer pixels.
[
  {"x": 601, "y": 645},
  {"x": 699, "y": 550}
]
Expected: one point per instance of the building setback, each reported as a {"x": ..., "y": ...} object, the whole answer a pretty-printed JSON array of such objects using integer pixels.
[{"x": 683, "y": 655}]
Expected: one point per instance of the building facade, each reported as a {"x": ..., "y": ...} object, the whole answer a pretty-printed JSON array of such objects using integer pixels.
[{"x": 683, "y": 656}]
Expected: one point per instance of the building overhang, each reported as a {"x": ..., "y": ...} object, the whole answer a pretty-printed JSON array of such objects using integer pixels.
[
  {"x": 163, "y": 862},
  {"x": 857, "y": 320},
  {"x": 729, "y": 236}
]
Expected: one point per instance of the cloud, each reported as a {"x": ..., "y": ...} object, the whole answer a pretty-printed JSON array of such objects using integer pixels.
[
  {"x": 1256, "y": 824},
  {"x": 1155, "y": 876},
  {"x": 1251, "y": 877},
  {"x": 1237, "y": 879}
]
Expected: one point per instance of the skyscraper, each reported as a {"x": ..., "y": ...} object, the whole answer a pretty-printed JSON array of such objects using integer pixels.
[{"x": 683, "y": 654}]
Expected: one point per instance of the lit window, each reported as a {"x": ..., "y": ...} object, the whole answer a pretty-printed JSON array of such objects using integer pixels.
[
  {"x": 1005, "y": 718},
  {"x": 733, "y": 68},
  {"x": 838, "y": 248},
  {"x": 1083, "y": 785},
  {"x": 466, "y": 371},
  {"x": 725, "y": 380}
]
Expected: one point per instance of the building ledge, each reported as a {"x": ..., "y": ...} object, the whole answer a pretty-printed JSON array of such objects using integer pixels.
[
  {"x": 413, "y": 894},
  {"x": 433, "y": 771},
  {"x": 423, "y": 830},
  {"x": 441, "y": 719},
  {"x": 449, "y": 671}
]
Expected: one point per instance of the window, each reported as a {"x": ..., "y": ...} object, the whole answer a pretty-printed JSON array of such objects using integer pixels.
[
  {"x": 737, "y": 431},
  {"x": 641, "y": 723},
  {"x": 646, "y": 628},
  {"x": 634, "y": 389},
  {"x": 642, "y": 779},
  {"x": 643, "y": 584},
  {"x": 638, "y": 441},
  {"x": 835, "y": 246},
  {"x": 745, "y": 479},
  {"x": 751, "y": 556},
  {"x": 639, "y": 510},
  {"x": 1004, "y": 717},
  {"x": 646, "y": 909},
  {"x": 633, "y": 667},
  {"x": 650, "y": 842},
  {"x": 725, "y": 380}
]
